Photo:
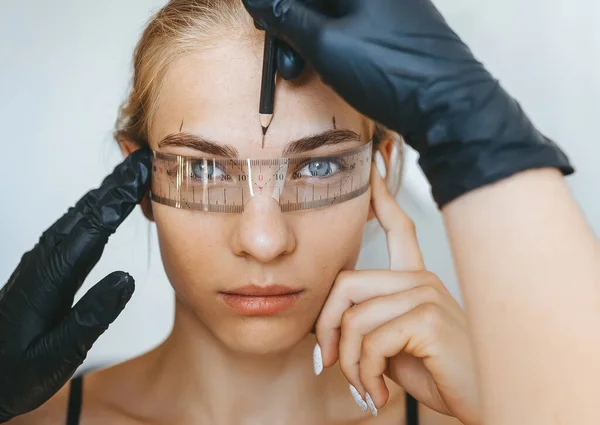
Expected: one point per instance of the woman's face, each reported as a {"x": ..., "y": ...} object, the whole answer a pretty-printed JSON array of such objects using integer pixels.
[{"x": 215, "y": 94}]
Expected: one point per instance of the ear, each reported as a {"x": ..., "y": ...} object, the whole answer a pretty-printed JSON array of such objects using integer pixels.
[
  {"x": 385, "y": 148},
  {"x": 128, "y": 147}
]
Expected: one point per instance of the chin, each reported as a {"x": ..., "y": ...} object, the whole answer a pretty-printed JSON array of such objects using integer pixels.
[{"x": 263, "y": 335}]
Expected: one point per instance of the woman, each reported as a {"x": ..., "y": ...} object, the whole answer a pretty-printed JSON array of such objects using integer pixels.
[{"x": 196, "y": 82}]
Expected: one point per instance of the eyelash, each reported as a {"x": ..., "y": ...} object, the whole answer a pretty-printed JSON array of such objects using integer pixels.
[{"x": 339, "y": 165}]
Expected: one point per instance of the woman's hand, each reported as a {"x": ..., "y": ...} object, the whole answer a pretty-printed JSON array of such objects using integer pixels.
[
  {"x": 402, "y": 323},
  {"x": 42, "y": 339}
]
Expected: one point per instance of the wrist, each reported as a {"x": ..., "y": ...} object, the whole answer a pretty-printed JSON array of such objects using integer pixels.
[
  {"x": 470, "y": 167},
  {"x": 484, "y": 138}
]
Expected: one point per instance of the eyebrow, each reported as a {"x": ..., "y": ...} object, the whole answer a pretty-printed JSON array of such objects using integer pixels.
[
  {"x": 295, "y": 147},
  {"x": 327, "y": 138},
  {"x": 187, "y": 140}
]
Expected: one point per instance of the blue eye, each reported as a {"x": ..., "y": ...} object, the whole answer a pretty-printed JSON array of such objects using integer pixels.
[
  {"x": 206, "y": 170},
  {"x": 319, "y": 168}
]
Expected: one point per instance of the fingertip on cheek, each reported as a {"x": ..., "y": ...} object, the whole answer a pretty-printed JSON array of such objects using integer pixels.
[
  {"x": 380, "y": 165},
  {"x": 378, "y": 185},
  {"x": 374, "y": 174}
]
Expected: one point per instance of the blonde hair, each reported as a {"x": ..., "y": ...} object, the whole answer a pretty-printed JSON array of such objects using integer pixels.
[{"x": 181, "y": 27}]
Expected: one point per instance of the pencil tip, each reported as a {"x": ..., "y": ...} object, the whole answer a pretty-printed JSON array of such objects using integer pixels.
[{"x": 264, "y": 129}]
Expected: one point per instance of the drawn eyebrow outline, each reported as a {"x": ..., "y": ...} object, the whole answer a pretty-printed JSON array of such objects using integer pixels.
[{"x": 295, "y": 147}]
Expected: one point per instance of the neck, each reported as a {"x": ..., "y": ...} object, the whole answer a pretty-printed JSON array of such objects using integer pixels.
[{"x": 212, "y": 384}]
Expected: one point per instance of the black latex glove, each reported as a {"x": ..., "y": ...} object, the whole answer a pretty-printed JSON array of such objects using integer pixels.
[
  {"x": 289, "y": 63},
  {"x": 42, "y": 339},
  {"x": 399, "y": 63}
]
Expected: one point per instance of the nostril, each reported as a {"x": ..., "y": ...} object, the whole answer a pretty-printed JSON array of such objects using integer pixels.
[{"x": 263, "y": 232}]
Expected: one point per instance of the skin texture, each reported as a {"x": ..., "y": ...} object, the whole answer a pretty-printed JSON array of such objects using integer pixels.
[
  {"x": 531, "y": 291},
  {"x": 206, "y": 253},
  {"x": 219, "y": 367}
]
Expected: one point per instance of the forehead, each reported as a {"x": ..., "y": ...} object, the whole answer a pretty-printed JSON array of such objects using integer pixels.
[{"x": 215, "y": 93}]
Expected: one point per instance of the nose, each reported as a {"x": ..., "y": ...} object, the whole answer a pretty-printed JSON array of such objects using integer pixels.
[{"x": 262, "y": 231}]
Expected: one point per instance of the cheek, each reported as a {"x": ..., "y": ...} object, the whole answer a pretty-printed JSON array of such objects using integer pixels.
[
  {"x": 197, "y": 255},
  {"x": 190, "y": 243},
  {"x": 330, "y": 239}
]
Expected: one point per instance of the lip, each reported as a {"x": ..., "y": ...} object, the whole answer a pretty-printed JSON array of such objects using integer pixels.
[
  {"x": 262, "y": 291},
  {"x": 252, "y": 300}
]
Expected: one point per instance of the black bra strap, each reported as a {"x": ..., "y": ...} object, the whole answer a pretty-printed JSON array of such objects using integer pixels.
[
  {"x": 76, "y": 398},
  {"x": 75, "y": 401},
  {"x": 412, "y": 410}
]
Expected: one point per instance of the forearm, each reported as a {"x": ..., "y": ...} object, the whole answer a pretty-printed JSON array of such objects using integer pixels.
[{"x": 529, "y": 271}]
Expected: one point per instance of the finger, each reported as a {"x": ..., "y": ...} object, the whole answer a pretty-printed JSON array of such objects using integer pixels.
[
  {"x": 362, "y": 319},
  {"x": 70, "y": 341},
  {"x": 290, "y": 64},
  {"x": 42, "y": 292},
  {"x": 50, "y": 288},
  {"x": 356, "y": 287},
  {"x": 293, "y": 21},
  {"x": 410, "y": 333},
  {"x": 107, "y": 206},
  {"x": 403, "y": 246}
]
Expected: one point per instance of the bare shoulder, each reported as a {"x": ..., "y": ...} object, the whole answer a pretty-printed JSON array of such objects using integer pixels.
[
  {"x": 103, "y": 392},
  {"x": 53, "y": 412}
]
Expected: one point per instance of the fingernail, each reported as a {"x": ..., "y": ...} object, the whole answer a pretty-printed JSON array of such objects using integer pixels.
[
  {"x": 371, "y": 405},
  {"x": 380, "y": 164},
  {"x": 357, "y": 398},
  {"x": 317, "y": 360}
]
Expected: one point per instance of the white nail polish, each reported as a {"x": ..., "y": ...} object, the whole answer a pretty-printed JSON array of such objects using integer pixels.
[
  {"x": 371, "y": 405},
  {"x": 380, "y": 164},
  {"x": 317, "y": 360},
  {"x": 357, "y": 398}
]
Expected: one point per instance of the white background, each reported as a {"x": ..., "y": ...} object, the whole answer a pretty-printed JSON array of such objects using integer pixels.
[{"x": 65, "y": 68}]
